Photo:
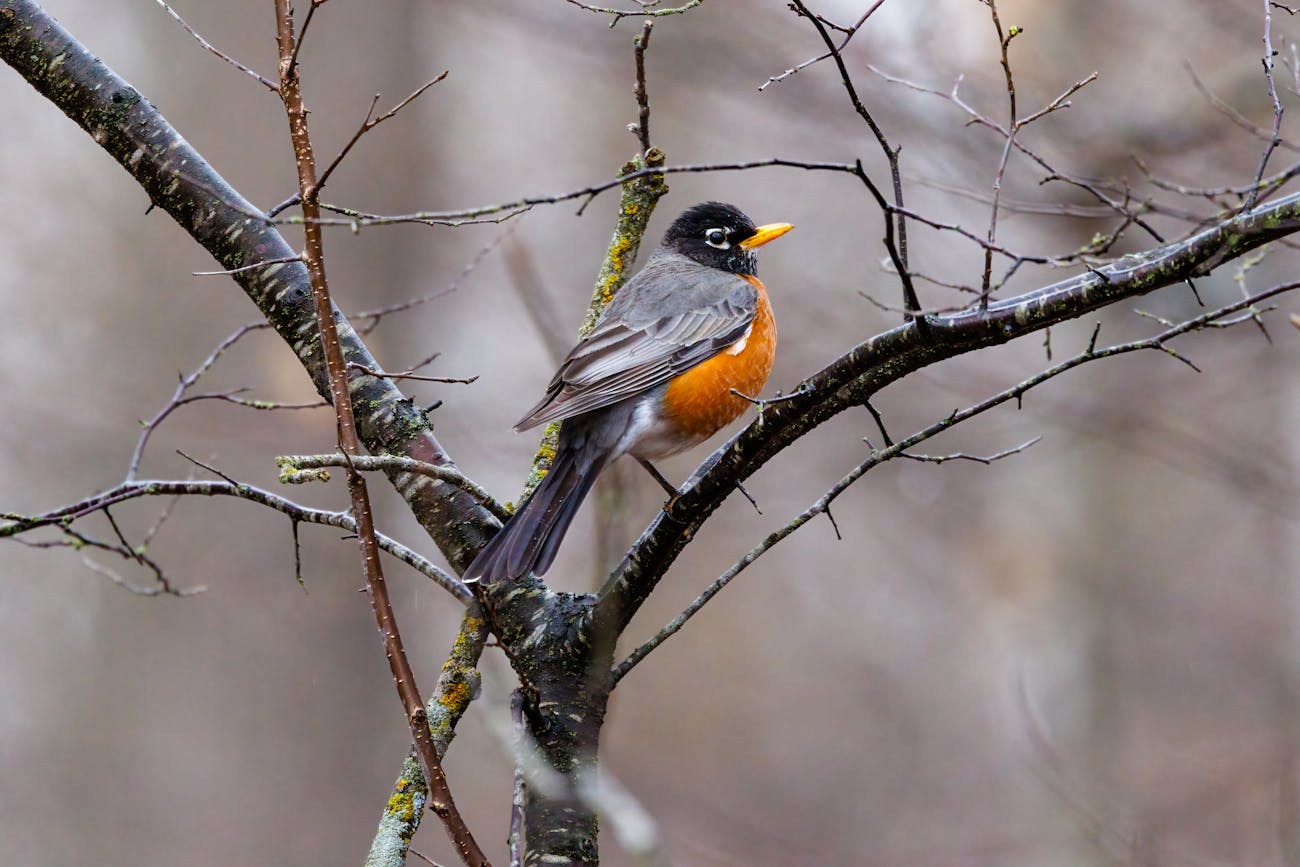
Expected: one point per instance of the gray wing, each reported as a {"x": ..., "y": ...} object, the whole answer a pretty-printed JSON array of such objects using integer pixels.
[{"x": 669, "y": 318}]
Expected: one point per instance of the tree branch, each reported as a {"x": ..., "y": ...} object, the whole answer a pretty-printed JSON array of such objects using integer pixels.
[
  {"x": 1213, "y": 318},
  {"x": 855, "y": 376},
  {"x": 132, "y": 489},
  {"x": 179, "y": 181},
  {"x": 440, "y": 798}
]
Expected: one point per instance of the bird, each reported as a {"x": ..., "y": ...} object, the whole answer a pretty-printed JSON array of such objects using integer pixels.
[{"x": 679, "y": 353}]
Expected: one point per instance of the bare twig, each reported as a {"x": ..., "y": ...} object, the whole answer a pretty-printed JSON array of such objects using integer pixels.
[
  {"x": 898, "y": 254},
  {"x": 181, "y": 398},
  {"x": 1013, "y": 126},
  {"x": 302, "y": 34},
  {"x": 371, "y": 122},
  {"x": 409, "y": 374},
  {"x": 1121, "y": 207},
  {"x": 962, "y": 456},
  {"x": 361, "y": 219},
  {"x": 620, "y": 14},
  {"x": 849, "y": 33},
  {"x": 293, "y": 467},
  {"x": 134, "y": 489},
  {"x": 138, "y": 590},
  {"x": 376, "y": 314},
  {"x": 457, "y": 686},
  {"x": 78, "y": 541},
  {"x": 226, "y": 273},
  {"x": 308, "y": 188},
  {"x": 1276, "y": 137},
  {"x": 1235, "y": 117},
  {"x": 266, "y": 82},
  {"x": 762, "y": 404},
  {"x": 642, "y": 125}
]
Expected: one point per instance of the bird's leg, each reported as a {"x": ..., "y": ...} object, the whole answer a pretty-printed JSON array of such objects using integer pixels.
[
  {"x": 672, "y": 491},
  {"x": 664, "y": 483},
  {"x": 659, "y": 477}
]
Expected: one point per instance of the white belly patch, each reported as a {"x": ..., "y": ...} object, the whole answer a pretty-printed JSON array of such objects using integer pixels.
[{"x": 739, "y": 346}]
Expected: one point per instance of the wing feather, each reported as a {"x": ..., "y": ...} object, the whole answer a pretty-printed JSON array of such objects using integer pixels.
[{"x": 628, "y": 353}]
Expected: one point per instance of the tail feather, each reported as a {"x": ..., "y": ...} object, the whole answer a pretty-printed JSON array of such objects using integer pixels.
[{"x": 530, "y": 539}]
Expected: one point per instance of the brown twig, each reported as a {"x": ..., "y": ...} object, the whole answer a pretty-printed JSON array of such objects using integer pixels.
[
  {"x": 302, "y": 34},
  {"x": 371, "y": 122},
  {"x": 642, "y": 125},
  {"x": 266, "y": 82},
  {"x": 976, "y": 117},
  {"x": 79, "y": 541},
  {"x": 308, "y": 188}
]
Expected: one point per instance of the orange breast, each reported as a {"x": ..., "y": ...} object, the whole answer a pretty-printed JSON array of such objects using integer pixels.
[{"x": 700, "y": 401}]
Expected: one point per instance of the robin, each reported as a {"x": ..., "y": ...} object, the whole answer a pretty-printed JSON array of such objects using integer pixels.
[{"x": 653, "y": 378}]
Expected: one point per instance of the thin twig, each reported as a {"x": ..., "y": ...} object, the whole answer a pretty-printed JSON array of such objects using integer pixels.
[
  {"x": 899, "y": 255},
  {"x": 1013, "y": 126},
  {"x": 1276, "y": 138},
  {"x": 620, "y": 14},
  {"x": 292, "y": 469},
  {"x": 282, "y": 261},
  {"x": 963, "y": 456},
  {"x": 266, "y": 82},
  {"x": 451, "y": 380},
  {"x": 135, "y": 489},
  {"x": 849, "y": 33},
  {"x": 1234, "y": 116},
  {"x": 642, "y": 125},
  {"x": 361, "y": 219},
  {"x": 376, "y": 314},
  {"x": 371, "y": 122},
  {"x": 308, "y": 187}
]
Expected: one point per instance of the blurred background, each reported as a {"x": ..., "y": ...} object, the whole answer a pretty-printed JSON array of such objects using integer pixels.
[{"x": 1083, "y": 654}]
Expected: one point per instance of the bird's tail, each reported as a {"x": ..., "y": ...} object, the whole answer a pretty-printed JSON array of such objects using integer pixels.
[{"x": 530, "y": 539}]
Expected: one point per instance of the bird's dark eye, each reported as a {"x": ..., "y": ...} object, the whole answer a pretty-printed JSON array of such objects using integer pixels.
[{"x": 717, "y": 238}]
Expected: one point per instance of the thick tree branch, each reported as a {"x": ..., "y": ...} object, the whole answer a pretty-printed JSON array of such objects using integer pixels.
[
  {"x": 1212, "y": 319},
  {"x": 179, "y": 181},
  {"x": 853, "y": 378}
]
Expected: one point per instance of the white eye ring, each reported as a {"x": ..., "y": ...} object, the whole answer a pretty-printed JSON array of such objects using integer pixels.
[{"x": 717, "y": 238}]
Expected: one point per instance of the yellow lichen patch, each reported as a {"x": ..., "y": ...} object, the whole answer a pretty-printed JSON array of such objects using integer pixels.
[
  {"x": 456, "y": 695},
  {"x": 402, "y": 802}
]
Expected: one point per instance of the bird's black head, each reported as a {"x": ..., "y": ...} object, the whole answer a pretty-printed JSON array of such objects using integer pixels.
[{"x": 720, "y": 236}]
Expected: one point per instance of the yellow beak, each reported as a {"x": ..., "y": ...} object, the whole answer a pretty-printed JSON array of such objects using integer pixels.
[{"x": 763, "y": 234}]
